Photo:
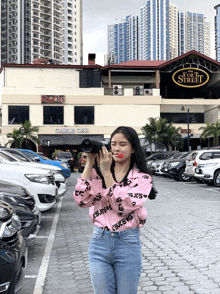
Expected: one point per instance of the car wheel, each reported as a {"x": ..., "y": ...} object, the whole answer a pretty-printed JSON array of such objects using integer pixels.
[
  {"x": 182, "y": 177},
  {"x": 216, "y": 179}
]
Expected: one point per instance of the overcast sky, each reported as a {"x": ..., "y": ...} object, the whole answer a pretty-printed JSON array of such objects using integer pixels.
[{"x": 98, "y": 14}]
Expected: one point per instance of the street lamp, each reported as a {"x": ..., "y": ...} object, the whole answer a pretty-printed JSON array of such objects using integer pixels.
[{"x": 183, "y": 109}]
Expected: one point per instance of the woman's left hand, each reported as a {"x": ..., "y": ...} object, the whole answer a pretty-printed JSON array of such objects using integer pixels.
[{"x": 105, "y": 160}]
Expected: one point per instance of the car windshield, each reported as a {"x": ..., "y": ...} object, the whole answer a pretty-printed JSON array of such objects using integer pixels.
[
  {"x": 43, "y": 157},
  {"x": 184, "y": 155},
  {"x": 64, "y": 154},
  {"x": 14, "y": 157},
  {"x": 19, "y": 155},
  {"x": 8, "y": 158}
]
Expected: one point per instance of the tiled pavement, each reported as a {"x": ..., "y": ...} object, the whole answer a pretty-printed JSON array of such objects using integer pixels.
[{"x": 180, "y": 243}]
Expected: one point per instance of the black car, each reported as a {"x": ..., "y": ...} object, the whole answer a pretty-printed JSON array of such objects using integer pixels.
[
  {"x": 66, "y": 157},
  {"x": 24, "y": 206},
  {"x": 13, "y": 252},
  {"x": 176, "y": 168}
]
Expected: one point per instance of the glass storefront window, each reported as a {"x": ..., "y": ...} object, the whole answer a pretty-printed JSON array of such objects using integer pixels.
[
  {"x": 18, "y": 114},
  {"x": 84, "y": 115},
  {"x": 182, "y": 117},
  {"x": 53, "y": 115}
]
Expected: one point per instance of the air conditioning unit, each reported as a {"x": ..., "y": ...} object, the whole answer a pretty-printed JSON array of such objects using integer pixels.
[
  {"x": 148, "y": 92},
  {"x": 139, "y": 90},
  {"x": 117, "y": 89}
]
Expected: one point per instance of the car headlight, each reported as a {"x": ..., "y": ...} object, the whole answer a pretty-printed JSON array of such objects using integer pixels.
[
  {"x": 64, "y": 165},
  {"x": 3, "y": 213},
  {"x": 38, "y": 178},
  {"x": 9, "y": 228},
  {"x": 172, "y": 164}
]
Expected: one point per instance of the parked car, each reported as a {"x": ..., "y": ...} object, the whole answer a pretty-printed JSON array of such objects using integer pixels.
[
  {"x": 82, "y": 162},
  {"x": 156, "y": 156},
  {"x": 65, "y": 157},
  {"x": 13, "y": 252},
  {"x": 199, "y": 159},
  {"x": 60, "y": 180},
  {"x": 24, "y": 206},
  {"x": 34, "y": 156},
  {"x": 38, "y": 182},
  {"x": 176, "y": 168},
  {"x": 155, "y": 165},
  {"x": 164, "y": 167}
]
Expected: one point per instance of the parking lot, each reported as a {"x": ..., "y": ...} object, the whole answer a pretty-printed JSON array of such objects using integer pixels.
[{"x": 180, "y": 243}]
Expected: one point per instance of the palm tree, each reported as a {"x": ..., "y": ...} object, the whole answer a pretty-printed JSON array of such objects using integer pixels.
[
  {"x": 27, "y": 132},
  {"x": 16, "y": 139},
  {"x": 161, "y": 133},
  {"x": 211, "y": 130},
  {"x": 150, "y": 132}
]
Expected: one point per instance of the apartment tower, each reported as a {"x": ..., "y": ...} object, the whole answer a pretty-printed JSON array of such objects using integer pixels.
[
  {"x": 50, "y": 29},
  {"x": 217, "y": 32},
  {"x": 194, "y": 33},
  {"x": 154, "y": 38}
]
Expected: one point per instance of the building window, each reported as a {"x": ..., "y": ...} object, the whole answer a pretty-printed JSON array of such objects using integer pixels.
[
  {"x": 182, "y": 117},
  {"x": 18, "y": 114},
  {"x": 53, "y": 115},
  {"x": 84, "y": 115}
]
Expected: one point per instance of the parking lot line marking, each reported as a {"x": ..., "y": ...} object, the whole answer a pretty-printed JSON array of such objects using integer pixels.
[
  {"x": 30, "y": 277},
  {"x": 42, "y": 237},
  {"x": 213, "y": 190},
  {"x": 39, "y": 285}
]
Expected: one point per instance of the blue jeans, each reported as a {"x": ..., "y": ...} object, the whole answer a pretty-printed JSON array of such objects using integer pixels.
[{"x": 115, "y": 261}]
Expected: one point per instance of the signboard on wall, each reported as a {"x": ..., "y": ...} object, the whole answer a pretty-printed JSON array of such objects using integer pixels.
[
  {"x": 53, "y": 99},
  {"x": 190, "y": 77},
  {"x": 183, "y": 131}
]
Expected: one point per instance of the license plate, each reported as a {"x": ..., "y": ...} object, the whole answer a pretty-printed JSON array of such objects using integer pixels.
[{"x": 197, "y": 170}]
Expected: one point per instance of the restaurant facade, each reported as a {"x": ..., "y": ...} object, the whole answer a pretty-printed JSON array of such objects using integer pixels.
[{"x": 71, "y": 103}]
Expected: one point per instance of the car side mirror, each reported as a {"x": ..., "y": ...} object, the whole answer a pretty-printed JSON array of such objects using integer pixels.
[{"x": 36, "y": 159}]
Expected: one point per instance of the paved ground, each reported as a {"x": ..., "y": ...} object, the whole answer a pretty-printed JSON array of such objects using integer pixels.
[{"x": 180, "y": 244}]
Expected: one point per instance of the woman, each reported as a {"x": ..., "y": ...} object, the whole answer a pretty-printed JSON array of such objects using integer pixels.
[{"x": 115, "y": 193}]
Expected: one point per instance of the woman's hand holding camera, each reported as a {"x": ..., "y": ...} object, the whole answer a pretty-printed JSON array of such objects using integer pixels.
[{"x": 105, "y": 165}]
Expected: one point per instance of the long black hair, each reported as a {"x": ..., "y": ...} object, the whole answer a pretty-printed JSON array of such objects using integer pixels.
[{"x": 137, "y": 158}]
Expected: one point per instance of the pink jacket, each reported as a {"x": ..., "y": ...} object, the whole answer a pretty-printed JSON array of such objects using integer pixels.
[{"x": 118, "y": 207}]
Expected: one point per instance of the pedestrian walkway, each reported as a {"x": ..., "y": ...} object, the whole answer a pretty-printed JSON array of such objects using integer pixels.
[{"x": 180, "y": 244}]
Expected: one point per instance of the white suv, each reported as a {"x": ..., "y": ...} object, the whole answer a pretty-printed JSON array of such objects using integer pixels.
[
  {"x": 60, "y": 180},
  {"x": 38, "y": 182},
  {"x": 203, "y": 165}
]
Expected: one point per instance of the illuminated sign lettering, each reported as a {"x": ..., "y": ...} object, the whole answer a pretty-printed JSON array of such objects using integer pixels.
[
  {"x": 54, "y": 99},
  {"x": 190, "y": 77}
]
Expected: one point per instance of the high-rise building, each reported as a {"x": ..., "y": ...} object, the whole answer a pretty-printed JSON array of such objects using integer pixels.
[
  {"x": 159, "y": 33},
  {"x": 153, "y": 30},
  {"x": 123, "y": 40},
  {"x": 173, "y": 31},
  {"x": 194, "y": 33},
  {"x": 50, "y": 29},
  {"x": 117, "y": 41},
  {"x": 132, "y": 37},
  {"x": 217, "y": 32}
]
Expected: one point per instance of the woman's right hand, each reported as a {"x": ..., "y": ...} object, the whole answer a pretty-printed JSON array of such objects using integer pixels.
[{"x": 91, "y": 158}]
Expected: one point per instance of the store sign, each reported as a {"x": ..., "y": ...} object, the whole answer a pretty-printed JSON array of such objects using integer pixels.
[
  {"x": 184, "y": 131},
  {"x": 190, "y": 77},
  {"x": 72, "y": 131},
  {"x": 54, "y": 99}
]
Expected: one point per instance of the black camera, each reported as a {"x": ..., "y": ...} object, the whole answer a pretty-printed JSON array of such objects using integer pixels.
[{"x": 92, "y": 146}]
